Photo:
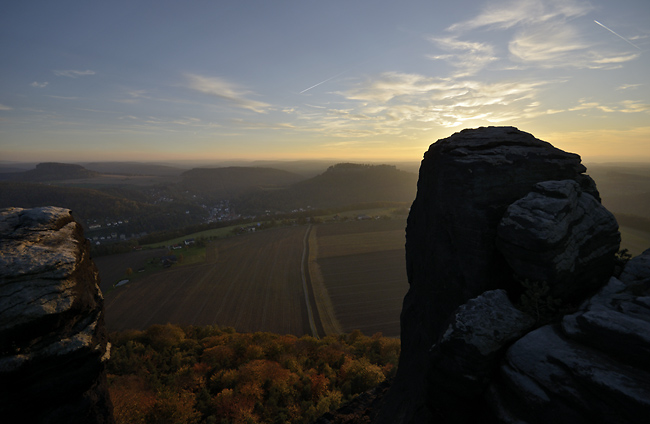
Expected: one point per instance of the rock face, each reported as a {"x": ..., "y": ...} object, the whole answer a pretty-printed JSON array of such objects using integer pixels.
[
  {"x": 559, "y": 235},
  {"x": 464, "y": 359},
  {"x": 592, "y": 367},
  {"x": 494, "y": 205},
  {"x": 53, "y": 345}
]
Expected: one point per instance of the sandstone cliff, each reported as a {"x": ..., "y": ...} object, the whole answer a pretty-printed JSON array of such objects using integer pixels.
[
  {"x": 500, "y": 214},
  {"x": 52, "y": 340}
]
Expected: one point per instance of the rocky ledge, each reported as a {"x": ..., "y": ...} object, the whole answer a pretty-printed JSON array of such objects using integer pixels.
[
  {"x": 513, "y": 313},
  {"x": 53, "y": 345}
]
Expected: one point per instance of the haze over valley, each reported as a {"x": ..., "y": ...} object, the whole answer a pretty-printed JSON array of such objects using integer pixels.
[{"x": 127, "y": 206}]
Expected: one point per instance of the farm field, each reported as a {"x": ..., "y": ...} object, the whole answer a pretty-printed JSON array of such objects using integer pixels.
[
  {"x": 112, "y": 268},
  {"x": 363, "y": 270},
  {"x": 251, "y": 282}
]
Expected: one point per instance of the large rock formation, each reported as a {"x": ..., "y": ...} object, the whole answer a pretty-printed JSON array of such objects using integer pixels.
[
  {"x": 53, "y": 346},
  {"x": 592, "y": 367},
  {"x": 559, "y": 235},
  {"x": 495, "y": 206}
]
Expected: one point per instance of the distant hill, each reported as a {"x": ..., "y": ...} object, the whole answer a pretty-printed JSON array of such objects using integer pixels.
[
  {"x": 232, "y": 181},
  {"x": 340, "y": 185},
  {"x": 134, "y": 168},
  {"x": 84, "y": 202},
  {"x": 90, "y": 204},
  {"x": 51, "y": 171}
]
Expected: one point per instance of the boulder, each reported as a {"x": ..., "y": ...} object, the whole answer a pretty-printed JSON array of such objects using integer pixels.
[
  {"x": 466, "y": 183},
  {"x": 562, "y": 236},
  {"x": 53, "y": 346},
  {"x": 592, "y": 367},
  {"x": 469, "y": 351}
]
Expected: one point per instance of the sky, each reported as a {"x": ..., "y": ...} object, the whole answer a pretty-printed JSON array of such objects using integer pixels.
[{"x": 361, "y": 80}]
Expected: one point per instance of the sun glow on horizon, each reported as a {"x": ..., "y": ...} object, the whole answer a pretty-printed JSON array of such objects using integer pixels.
[{"x": 572, "y": 73}]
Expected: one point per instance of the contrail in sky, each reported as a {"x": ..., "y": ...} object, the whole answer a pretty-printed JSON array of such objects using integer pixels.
[
  {"x": 618, "y": 35},
  {"x": 322, "y": 82}
]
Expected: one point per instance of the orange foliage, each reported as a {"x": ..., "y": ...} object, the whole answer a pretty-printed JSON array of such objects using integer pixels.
[
  {"x": 169, "y": 374},
  {"x": 319, "y": 385},
  {"x": 131, "y": 399},
  {"x": 219, "y": 356}
]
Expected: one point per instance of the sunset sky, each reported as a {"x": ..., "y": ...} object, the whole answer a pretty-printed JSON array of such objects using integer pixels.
[{"x": 292, "y": 79}]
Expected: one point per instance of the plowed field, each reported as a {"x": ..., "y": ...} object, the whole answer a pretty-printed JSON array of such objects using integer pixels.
[
  {"x": 363, "y": 269},
  {"x": 355, "y": 279},
  {"x": 251, "y": 282}
]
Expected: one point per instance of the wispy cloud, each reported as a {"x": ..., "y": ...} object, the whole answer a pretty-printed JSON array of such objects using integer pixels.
[
  {"x": 624, "y": 106},
  {"x": 548, "y": 44},
  {"x": 629, "y": 86},
  {"x": 546, "y": 36},
  {"x": 72, "y": 73},
  {"x": 400, "y": 103},
  {"x": 469, "y": 57},
  {"x": 134, "y": 96},
  {"x": 395, "y": 84},
  {"x": 63, "y": 97},
  {"x": 3, "y": 107},
  {"x": 617, "y": 59},
  {"x": 511, "y": 13},
  {"x": 226, "y": 90},
  {"x": 37, "y": 84}
]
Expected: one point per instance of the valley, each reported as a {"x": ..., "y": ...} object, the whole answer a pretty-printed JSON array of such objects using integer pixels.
[
  {"x": 313, "y": 250},
  {"x": 354, "y": 277}
]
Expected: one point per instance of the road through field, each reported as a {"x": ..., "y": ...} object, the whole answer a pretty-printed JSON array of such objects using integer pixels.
[
  {"x": 363, "y": 269},
  {"x": 251, "y": 282}
]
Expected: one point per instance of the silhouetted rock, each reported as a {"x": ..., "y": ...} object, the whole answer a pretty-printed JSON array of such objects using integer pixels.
[
  {"x": 591, "y": 368},
  {"x": 466, "y": 183},
  {"x": 559, "y": 235},
  {"x": 496, "y": 207},
  {"x": 465, "y": 357},
  {"x": 53, "y": 346}
]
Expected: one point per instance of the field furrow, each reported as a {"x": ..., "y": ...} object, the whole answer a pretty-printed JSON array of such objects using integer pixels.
[
  {"x": 364, "y": 272},
  {"x": 252, "y": 282}
]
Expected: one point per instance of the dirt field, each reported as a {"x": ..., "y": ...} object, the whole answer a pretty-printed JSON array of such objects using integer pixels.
[
  {"x": 364, "y": 273},
  {"x": 354, "y": 275},
  {"x": 112, "y": 268},
  {"x": 251, "y": 282}
]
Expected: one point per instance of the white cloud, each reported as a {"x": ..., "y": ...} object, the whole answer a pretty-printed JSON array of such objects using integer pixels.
[
  {"x": 71, "y": 73},
  {"x": 221, "y": 88},
  {"x": 394, "y": 84},
  {"x": 625, "y": 106},
  {"x": 37, "y": 84},
  {"x": 550, "y": 43},
  {"x": 634, "y": 106},
  {"x": 617, "y": 59},
  {"x": 629, "y": 86},
  {"x": 3, "y": 107},
  {"x": 546, "y": 36},
  {"x": 469, "y": 57},
  {"x": 508, "y": 14},
  {"x": 400, "y": 105}
]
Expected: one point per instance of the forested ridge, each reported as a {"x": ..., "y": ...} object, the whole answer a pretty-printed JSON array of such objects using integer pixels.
[{"x": 211, "y": 375}]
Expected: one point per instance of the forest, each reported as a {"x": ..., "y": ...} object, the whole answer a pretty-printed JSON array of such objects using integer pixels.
[{"x": 208, "y": 374}]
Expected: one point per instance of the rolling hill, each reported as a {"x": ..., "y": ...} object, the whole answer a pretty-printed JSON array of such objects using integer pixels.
[
  {"x": 229, "y": 182},
  {"x": 51, "y": 171},
  {"x": 340, "y": 185}
]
